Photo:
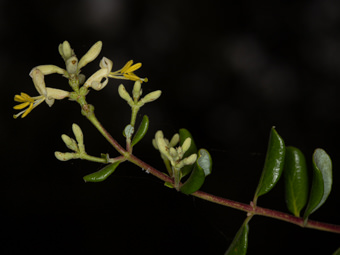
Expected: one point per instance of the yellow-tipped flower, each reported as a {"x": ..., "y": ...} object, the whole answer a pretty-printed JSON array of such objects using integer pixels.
[
  {"x": 46, "y": 94},
  {"x": 127, "y": 72}
]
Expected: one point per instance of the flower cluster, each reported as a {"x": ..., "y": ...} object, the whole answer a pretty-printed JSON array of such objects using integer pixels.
[
  {"x": 172, "y": 154},
  {"x": 97, "y": 81}
]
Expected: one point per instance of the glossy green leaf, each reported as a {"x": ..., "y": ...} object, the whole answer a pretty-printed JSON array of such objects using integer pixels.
[
  {"x": 143, "y": 128},
  {"x": 202, "y": 168},
  {"x": 184, "y": 134},
  {"x": 240, "y": 243},
  {"x": 296, "y": 180},
  {"x": 273, "y": 165},
  {"x": 322, "y": 181},
  {"x": 102, "y": 174}
]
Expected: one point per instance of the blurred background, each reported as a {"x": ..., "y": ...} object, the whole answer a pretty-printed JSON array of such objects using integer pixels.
[{"x": 229, "y": 71}]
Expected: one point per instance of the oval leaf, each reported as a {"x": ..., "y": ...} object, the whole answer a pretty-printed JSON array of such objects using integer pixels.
[
  {"x": 102, "y": 174},
  {"x": 240, "y": 243},
  {"x": 142, "y": 129},
  {"x": 202, "y": 168},
  {"x": 273, "y": 165},
  {"x": 184, "y": 134},
  {"x": 296, "y": 180},
  {"x": 322, "y": 181}
]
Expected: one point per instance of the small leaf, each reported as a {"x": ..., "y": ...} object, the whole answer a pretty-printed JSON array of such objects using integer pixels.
[
  {"x": 202, "y": 168},
  {"x": 204, "y": 161},
  {"x": 240, "y": 243},
  {"x": 143, "y": 128},
  {"x": 183, "y": 135},
  {"x": 273, "y": 165},
  {"x": 296, "y": 180},
  {"x": 322, "y": 181},
  {"x": 102, "y": 174}
]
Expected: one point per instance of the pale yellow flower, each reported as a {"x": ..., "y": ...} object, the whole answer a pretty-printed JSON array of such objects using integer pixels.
[
  {"x": 95, "y": 80},
  {"x": 46, "y": 94}
]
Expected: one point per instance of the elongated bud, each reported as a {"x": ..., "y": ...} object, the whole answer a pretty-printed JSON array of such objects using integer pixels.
[
  {"x": 78, "y": 134},
  {"x": 124, "y": 94},
  {"x": 151, "y": 96},
  {"x": 186, "y": 144},
  {"x": 190, "y": 160},
  {"x": 136, "y": 92},
  {"x": 65, "y": 50},
  {"x": 174, "y": 140},
  {"x": 91, "y": 55},
  {"x": 70, "y": 143},
  {"x": 64, "y": 156}
]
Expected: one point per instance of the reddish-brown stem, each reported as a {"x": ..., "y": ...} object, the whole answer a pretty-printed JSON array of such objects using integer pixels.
[
  {"x": 241, "y": 206},
  {"x": 249, "y": 208}
]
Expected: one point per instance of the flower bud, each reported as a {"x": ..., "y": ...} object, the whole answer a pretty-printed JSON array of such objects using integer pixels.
[
  {"x": 92, "y": 53},
  {"x": 124, "y": 94},
  {"x": 64, "y": 156},
  {"x": 70, "y": 143},
  {"x": 136, "y": 92},
  {"x": 190, "y": 160},
  {"x": 186, "y": 144},
  {"x": 151, "y": 96},
  {"x": 72, "y": 65},
  {"x": 65, "y": 50},
  {"x": 174, "y": 140},
  {"x": 78, "y": 134}
]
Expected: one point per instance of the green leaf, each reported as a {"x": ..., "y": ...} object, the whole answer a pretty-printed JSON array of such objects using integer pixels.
[
  {"x": 337, "y": 252},
  {"x": 184, "y": 134},
  {"x": 202, "y": 168},
  {"x": 143, "y": 128},
  {"x": 240, "y": 243},
  {"x": 102, "y": 174},
  {"x": 322, "y": 181},
  {"x": 296, "y": 180},
  {"x": 273, "y": 165}
]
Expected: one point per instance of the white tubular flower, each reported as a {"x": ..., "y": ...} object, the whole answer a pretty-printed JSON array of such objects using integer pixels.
[
  {"x": 95, "y": 81},
  {"x": 49, "y": 94},
  {"x": 49, "y": 69}
]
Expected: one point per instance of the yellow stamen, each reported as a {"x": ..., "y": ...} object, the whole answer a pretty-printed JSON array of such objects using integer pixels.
[
  {"x": 127, "y": 66},
  {"x": 21, "y": 106},
  {"x": 29, "y": 109},
  {"x": 133, "y": 68}
]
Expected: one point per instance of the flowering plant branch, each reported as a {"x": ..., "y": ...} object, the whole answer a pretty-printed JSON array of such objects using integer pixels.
[{"x": 186, "y": 166}]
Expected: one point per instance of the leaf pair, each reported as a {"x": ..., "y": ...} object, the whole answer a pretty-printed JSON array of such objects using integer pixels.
[{"x": 292, "y": 161}]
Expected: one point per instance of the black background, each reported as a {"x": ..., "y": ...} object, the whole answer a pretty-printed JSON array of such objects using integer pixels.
[{"x": 229, "y": 71}]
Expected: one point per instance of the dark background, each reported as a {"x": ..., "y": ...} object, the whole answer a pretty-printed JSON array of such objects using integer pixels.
[{"x": 229, "y": 71}]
